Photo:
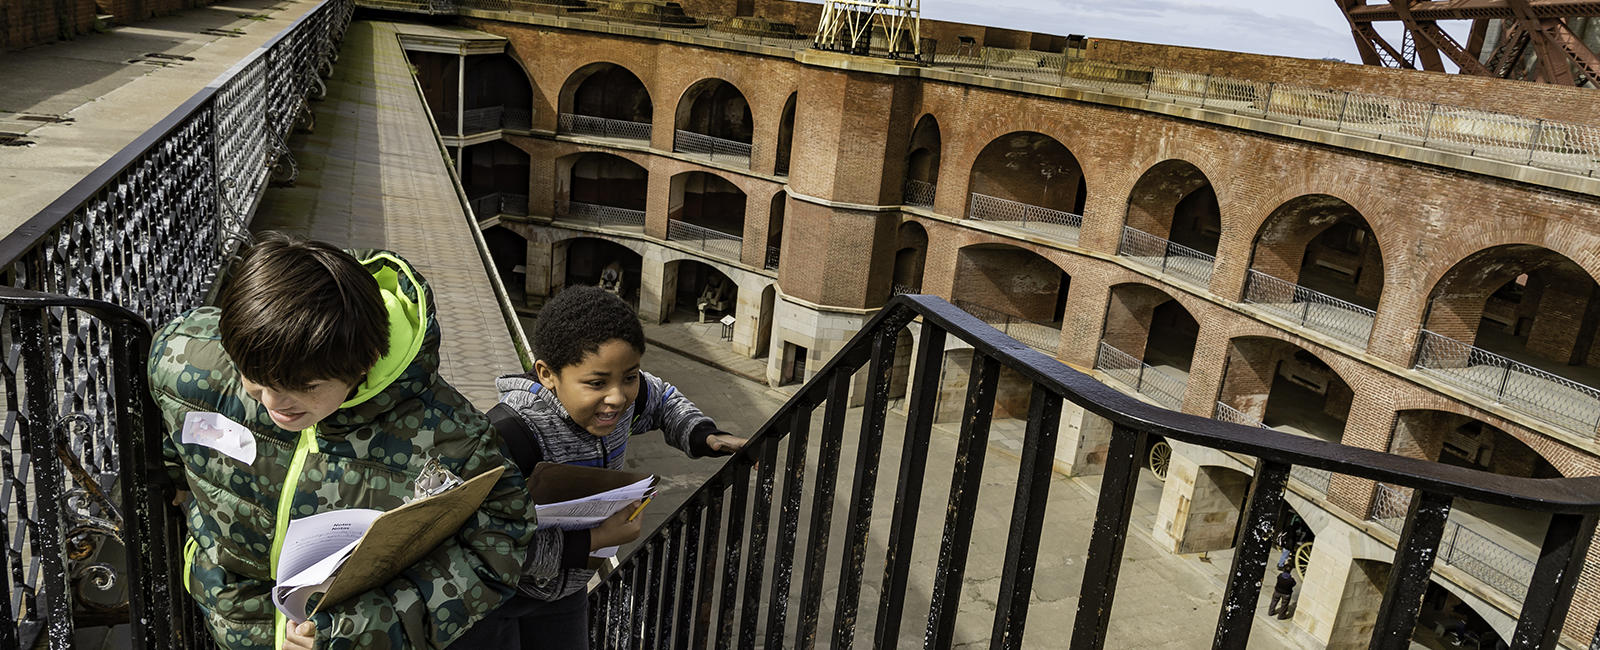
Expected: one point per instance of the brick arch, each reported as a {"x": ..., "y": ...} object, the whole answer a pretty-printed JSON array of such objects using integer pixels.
[
  {"x": 1570, "y": 461},
  {"x": 618, "y": 191},
  {"x": 1030, "y": 167},
  {"x": 1009, "y": 279},
  {"x": 1130, "y": 312},
  {"x": 1252, "y": 366},
  {"x": 1459, "y": 297},
  {"x": 1281, "y": 244},
  {"x": 925, "y": 136},
  {"x": 1159, "y": 190},
  {"x": 750, "y": 185},
  {"x": 691, "y": 92},
  {"x": 1150, "y": 152},
  {"x": 577, "y": 76}
]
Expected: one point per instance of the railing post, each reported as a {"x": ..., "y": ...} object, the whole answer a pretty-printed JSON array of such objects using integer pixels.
[
  {"x": 1533, "y": 139},
  {"x": 1427, "y": 124},
  {"x": 966, "y": 478},
  {"x": 1266, "y": 106},
  {"x": 1505, "y": 382},
  {"x": 1027, "y": 519},
  {"x": 1455, "y": 535},
  {"x": 864, "y": 486},
  {"x": 1205, "y": 91},
  {"x": 1412, "y": 570},
  {"x": 1110, "y": 533},
  {"x": 1250, "y": 557},
  {"x": 1555, "y": 577},
  {"x": 1338, "y": 123}
]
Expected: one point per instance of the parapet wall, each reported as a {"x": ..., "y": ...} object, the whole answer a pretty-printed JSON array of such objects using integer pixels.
[
  {"x": 1547, "y": 101},
  {"x": 32, "y": 22}
]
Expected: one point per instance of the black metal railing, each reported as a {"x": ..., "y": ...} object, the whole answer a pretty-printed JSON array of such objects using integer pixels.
[
  {"x": 707, "y": 574},
  {"x": 142, "y": 238}
]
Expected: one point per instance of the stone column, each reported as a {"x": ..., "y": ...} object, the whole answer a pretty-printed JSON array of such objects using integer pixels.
[
  {"x": 1200, "y": 504},
  {"x": 537, "y": 272},
  {"x": 1339, "y": 598},
  {"x": 1084, "y": 440}
]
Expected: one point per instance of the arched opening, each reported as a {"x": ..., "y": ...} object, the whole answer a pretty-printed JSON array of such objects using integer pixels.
[
  {"x": 509, "y": 251},
  {"x": 1148, "y": 343},
  {"x": 1446, "y": 622},
  {"x": 601, "y": 189},
  {"x": 713, "y": 121},
  {"x": 1276, "y": 384},
  {"x": 495, "y": 175},
  {"x": 498, "y": 95},
  {"x": 910, "y": 254},
  {"x": 780, "y": 201},
  {"x": 922, "y": 163},
  {"x": 1015, "y": 290},
  {"x": 1173, "y": 222},
  {"x": 1496, "y": 545},
  {"x": 1028, "y": 180},
  {"x": 701, "y": 293},
  {"x": 605, "y": 100},
  {"x": 1518, "y": 324},
  {"x": 598, "y": 262},
  {"x": 785, "y": 137},
  {"x": 706, "y": 212},
  {"x": 1316, "y": 261}
]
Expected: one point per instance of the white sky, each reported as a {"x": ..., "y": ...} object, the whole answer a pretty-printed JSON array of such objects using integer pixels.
[{"x": 1311, "y": 29}]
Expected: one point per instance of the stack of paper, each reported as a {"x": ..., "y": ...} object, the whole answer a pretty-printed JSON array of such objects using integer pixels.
[{"x": 570, "y": 497}]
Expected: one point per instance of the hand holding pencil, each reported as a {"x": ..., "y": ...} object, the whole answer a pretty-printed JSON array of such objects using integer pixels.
[{"x": 620, "y": 528}]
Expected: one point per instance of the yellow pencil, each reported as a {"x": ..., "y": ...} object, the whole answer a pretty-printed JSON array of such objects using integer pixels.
[{"x": 641, "y": 507}]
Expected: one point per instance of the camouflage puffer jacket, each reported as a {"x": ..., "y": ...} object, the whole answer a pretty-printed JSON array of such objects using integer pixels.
[{"x": 365, "y": 455}]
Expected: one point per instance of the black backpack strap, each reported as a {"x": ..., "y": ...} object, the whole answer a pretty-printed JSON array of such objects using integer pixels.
[
  {"x": 517, "y": 439},
  {"x": 639, "y": 404}
]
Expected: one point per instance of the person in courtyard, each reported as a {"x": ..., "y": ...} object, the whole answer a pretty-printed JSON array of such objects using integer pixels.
[
  {"x": 586, "y": 397},
  {"x": 323, "y": 366},
  {"x": 1282, "y": 593}
]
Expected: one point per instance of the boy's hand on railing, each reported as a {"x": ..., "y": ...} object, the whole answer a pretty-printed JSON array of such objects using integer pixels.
[
  {"x": 616, "y": 530},
  {"x": 726, "y": 443}
]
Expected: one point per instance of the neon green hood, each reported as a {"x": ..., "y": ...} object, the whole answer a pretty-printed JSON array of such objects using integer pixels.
[{"x": 408, "y": 317}]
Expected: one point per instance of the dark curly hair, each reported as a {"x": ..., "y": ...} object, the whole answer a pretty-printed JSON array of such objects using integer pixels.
[{"x": 576, "y": 322}]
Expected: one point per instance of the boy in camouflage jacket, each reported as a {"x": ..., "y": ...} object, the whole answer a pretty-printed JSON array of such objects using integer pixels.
[{"x": 336, "y": 414}]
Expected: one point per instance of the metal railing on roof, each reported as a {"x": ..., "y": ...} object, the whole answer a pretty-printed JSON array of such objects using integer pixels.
[
  {"x": 1165, "y": 256},
  {"x": 142, "y": 238},
  {"x": 1142, "y": 377},
  {"x": 728, "y": 562},
  {"x": 1058, "y": 224},
  {"x": 1544, "y": 395},
  {"x": 603, "y": 127},
  {"x": 1310, "y": 309},
  {"x": 714, "y": 242}
]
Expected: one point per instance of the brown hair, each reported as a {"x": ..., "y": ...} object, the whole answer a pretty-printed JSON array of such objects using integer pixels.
[{"x": 298, "y": 311}]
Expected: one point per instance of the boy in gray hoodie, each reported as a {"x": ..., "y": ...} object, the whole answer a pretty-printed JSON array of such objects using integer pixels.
[{"x": 583, "y": 401}]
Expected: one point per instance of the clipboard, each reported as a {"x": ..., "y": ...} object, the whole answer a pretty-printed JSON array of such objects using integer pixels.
[
  {"x": 401, "y": 537},
  {"x": 553, "y": 482}
]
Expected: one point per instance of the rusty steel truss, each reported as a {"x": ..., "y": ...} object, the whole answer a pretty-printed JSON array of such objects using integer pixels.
[
  {"x": 1512, "y": 39},
  {"x": 848, "y": 26}
]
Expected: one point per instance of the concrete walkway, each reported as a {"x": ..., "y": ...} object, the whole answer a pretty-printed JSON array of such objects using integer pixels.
[
  {"x": 372, "y": 176},
  {"x": 81, "y": 101}
]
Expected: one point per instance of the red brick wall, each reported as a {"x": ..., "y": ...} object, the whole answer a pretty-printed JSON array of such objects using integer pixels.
[{"x": 34, "y": 22}]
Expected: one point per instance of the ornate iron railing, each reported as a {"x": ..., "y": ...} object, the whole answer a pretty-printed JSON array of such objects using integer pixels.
[
  {"x": 897, "y": 289},
  {"x": 1016, "y": 214},
  {"x": 1317, "y": 479},
  {"x": 150, "y": 230},
  {"x": 1310, "y": 309},
  {"x": 604, "y": 216},
  {"x": 1547, "y": 396},
  {"x": 715, "y": 242},
  {"x": 727, "y": 563},
  {"x": 918, "y": 193},
  {"x": 1142, "y": 377},
  {"x": 1043, "y": 337},
  {"x": 603, "y": 127},
  {"x": 1551, "y": 144},
  {"x": 714, "y": 148},
  {"x": 1165, "y": 256},
  {"x": 498, "y": 203},
  {"x": 1502, "y": 568}
]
